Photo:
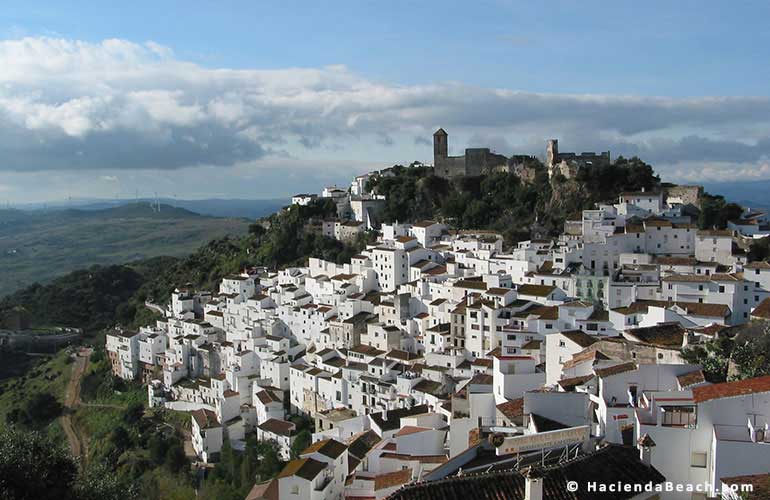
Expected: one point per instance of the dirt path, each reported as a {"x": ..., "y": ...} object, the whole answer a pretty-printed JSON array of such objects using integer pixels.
[{"x": 72, "y": 401}]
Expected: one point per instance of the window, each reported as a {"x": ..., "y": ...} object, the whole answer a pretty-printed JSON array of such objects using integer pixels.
[
  {"x": 562, "y": 344},
  {"x": 679, "y": 416},
  {"x": 698, "y": 460},
  {"x": 295, "y": 489}
]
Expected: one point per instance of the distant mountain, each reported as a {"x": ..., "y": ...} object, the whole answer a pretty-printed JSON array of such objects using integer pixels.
[
  {"x": 251, "y": 209},
  {"x": 39, "y": 245}
]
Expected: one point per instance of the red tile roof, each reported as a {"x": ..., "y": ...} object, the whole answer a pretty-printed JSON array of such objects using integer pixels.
[{"x": 731, "y": 389}]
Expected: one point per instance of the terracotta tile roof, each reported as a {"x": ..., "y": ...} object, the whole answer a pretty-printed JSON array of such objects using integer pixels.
[
  {"x": 206, "y": 419},
  {"x": 760, "y": 264},
  {"x": 572, "y": 382},
  {"x": 391, "y": 479},
  {"x": 536, "y": 290},
  {"x": 403, "y": 355},
  {"x": 360, "y": 444},
  {"x": 267, "y": 397},
  {"x": 264, "y": 491},
  {"x": 660, "y": 335},
  {"x": 584, "y": 356},
  {"x": 690, "y": 379},
  {"x": 547, "y": 313},
  {"x": 731, "y": 389},
  {"x": 328, "y": 447},
  {"x": 512, "y": 409},
  {"x": 762, "y": 310},
  {"x": 615, "y": 370},
  {"x": 676, "y": 261},
  {"x": 467, "y": 283},
  {"x": 580, "y": 337},
  {"x": 688, "y": 278},
  {"x": 423, "y": 459},
  {"x": 411, "y": 429},
  {"x": 306, "y": 468},
  {"x": 694, "y": 308},
  {"x": 715, "y": 232},
  {"x": 279, "y": 427}
]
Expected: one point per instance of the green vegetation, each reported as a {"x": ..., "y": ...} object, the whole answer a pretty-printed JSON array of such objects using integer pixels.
[
  {"x": 716, "y": 212},
  {"x": 36, "y": 247},
  {"x": 502, "y": 201},
  {"x": 236, "y": 473},
  {"x": 34, "y": 400},
  {"x": 141, "y": 452},
  {"x": 734, "y": 358},
  {"x": 304, "y": 434},
  {"x": 33, "y": 467}
]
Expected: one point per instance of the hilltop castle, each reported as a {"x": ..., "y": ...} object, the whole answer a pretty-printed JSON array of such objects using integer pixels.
[
  {"x": 475, "y": 161},
  {"x": 478, "y": 161}
]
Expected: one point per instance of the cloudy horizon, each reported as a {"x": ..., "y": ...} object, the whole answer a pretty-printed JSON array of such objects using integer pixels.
[{"x": 112, "y": 116}]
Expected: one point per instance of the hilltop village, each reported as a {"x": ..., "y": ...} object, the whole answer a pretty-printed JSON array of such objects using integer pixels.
[{"x": 440, "y": 360}]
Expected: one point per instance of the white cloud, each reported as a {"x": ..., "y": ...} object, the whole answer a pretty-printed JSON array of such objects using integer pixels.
[{"x": 73, "y": 105}]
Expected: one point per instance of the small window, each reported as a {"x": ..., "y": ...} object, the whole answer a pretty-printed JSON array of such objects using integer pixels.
[{"x": 698, "y": 460}]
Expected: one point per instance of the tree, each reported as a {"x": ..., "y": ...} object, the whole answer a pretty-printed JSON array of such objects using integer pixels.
[
  {"x": 269, "y": 463},
  {"x": 713, "y": 356},
  {"x": 100, "y": 483},
  {"x": 42, "y": 408},
  {"x": 34, "y": 467},
  {"x": 247, "y": 472},
  {"x": 133, "y": 414},
  {"x": 158, "y": 447},
  {"x": 120, "y": 439},
  {"x": 176, "y": 460},
  {"x": 302, "y": 441}
]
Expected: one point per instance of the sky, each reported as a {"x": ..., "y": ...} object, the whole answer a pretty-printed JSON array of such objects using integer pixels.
[{"x": 203, "y": 99}]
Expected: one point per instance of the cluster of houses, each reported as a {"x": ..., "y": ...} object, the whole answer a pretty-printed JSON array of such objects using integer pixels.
[{"x": 439, "y": 360}]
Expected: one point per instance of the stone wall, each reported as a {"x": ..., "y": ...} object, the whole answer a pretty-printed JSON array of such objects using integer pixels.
[{"x": 688, "y": 195}]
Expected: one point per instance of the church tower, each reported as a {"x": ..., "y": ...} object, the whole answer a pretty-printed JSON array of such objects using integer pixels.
[{"x": 440, "y": 146}]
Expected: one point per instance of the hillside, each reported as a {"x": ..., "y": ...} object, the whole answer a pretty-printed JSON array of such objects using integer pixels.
[
  {"x": 37, "y": 246},
  {"x": 517, "y": 208},
  {"x": 217, "y": 207},
  {"x": 101, "y": 296}
]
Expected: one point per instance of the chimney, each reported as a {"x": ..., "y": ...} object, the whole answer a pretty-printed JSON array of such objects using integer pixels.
[
  {"x": 533, "y": 484},
  {"x": 646, "y": 444}
]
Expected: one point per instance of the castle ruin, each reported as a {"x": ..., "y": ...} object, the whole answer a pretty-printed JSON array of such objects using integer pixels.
[
  {"x": 475, "y": 161},
  {"x": 568, "y": 164},
  {"x": 478, "y": 161}
]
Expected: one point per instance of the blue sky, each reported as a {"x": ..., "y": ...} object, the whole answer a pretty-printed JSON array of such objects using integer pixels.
[{"x": 268, "y": 98}]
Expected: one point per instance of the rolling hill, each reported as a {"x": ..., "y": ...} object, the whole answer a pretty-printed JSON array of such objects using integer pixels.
[{"x": 37, "y": 246}]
